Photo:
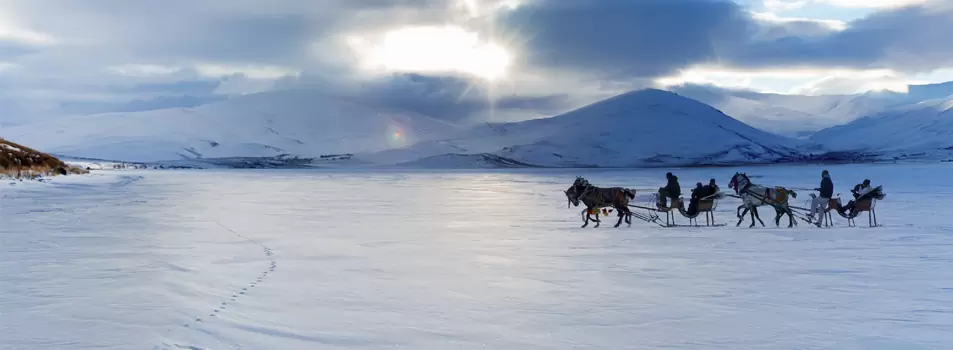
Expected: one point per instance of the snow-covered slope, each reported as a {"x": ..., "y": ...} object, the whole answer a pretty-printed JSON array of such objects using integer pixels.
[
  {"x": 791, "y": 115},
  {"x": 641, "y": 128},
  {"x": 297, "y": 122},
  {"x": 923, "y": 127}
]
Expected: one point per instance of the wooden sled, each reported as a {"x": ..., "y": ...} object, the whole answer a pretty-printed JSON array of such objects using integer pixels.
[
  {"x": 832, "y": 204},
  {"x": 867, "y": 205},
  {"x": 678, "y": 205},
  {"x": 870, "y": 207}
]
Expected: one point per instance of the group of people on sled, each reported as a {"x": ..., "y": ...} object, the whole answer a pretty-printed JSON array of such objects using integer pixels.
[
  {"x": 673, "y": 191},
  {"x": 861, "y": 192}
]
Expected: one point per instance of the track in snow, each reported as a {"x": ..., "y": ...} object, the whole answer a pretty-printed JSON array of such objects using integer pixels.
[{"x": 273, "y": 264}]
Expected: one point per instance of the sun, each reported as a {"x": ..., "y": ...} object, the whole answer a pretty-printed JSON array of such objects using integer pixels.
[{"x": 436, "y": 49}]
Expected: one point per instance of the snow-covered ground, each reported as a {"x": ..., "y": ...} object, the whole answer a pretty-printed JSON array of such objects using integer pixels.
[{"x": 306, "y": 259}]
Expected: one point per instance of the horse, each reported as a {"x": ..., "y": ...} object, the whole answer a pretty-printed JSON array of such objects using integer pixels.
[
  {"x": 754, "y": 196},
  {"x": 595, "y": 198}
]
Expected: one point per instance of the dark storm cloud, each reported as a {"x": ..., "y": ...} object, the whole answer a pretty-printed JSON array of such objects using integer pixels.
[
  {"x": 905, "y": 39},
  {"x": 651, "y": 38},
  {"x": 637, "y": 38},
  {"x": 597, "y": 40},
  {"x": 450, "y": 98}
]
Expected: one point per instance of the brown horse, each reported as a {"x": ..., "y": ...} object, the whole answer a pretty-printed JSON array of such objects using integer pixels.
[{"x": 596, "y": 198}]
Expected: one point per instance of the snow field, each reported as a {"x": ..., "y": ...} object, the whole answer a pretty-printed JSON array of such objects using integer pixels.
[{"x": 460, "y": 259}]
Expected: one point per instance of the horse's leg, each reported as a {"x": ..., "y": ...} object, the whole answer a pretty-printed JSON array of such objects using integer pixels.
[
  {"x": 757, "y": 216},
  {"x": 754, "y": 211},
  {"x": 777, "y": 218},
  {"x": 585, "y": 218},
  {"x": 628, "y": 215},
  {"x": 598, "y": 222},
  {"x": 741, "y": 217},
  {"x": 621, "y": 212}
]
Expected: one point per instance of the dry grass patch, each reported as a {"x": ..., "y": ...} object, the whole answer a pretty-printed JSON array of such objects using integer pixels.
[{"x": 19, "y": 161}]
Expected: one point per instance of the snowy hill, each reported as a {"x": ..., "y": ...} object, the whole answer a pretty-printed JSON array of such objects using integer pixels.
[
  {"x": 297, "y": 122},
  {"x": 921, "y": 127},
  {"x": 792, "y": 115},
  {"x": 18, "y": 161},
  {"x": 636, "y": 129}
]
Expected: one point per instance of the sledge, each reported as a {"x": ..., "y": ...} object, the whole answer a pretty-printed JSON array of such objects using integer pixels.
[
  {"x": 706, "y": 205},
  {"x": 867, "y": 204}
]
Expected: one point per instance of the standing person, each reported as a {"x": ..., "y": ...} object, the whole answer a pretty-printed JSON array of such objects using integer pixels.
[{"x": 826, "y": 192}]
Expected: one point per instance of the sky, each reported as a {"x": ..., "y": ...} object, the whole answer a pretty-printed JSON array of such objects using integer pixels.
[{"x": 455, "y": 58}]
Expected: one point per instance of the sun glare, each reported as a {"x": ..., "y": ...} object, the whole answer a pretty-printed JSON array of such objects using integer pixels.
[{"x": 434, "y": 49}]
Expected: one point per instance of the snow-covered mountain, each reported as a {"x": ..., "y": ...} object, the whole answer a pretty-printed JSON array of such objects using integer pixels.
[
  {"x": 921, "y": 127},
  {"x": 636, "y": 129},
  {"x": 296, "y": 122},
  {"x": 641, "y": 128},
  {"x": 792, "y": 115}
]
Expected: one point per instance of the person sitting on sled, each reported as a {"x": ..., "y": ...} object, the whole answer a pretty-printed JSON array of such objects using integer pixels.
[
  {"x": 862, "y": 190},
  {"x": 671, "y": 190},
  {"x": 712, "y": 188},
  {"x": 698, "y": 193}
]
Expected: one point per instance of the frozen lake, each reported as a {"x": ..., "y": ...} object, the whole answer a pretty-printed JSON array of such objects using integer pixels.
[{"x": 461, "y": 260}]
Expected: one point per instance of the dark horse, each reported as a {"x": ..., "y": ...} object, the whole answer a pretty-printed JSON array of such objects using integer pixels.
[
  {"x": 754, "y": 196},
  {"x": 596, "y": 198}
]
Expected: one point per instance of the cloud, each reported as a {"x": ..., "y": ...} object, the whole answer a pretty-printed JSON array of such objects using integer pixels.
[
  {"x": 875, "y": 4},
  {"x": 103, "y": 54},
  {"x": 451, "y": 98},
  {"x": 17, "y": 41},
  {"x": 618, "y": 39},
  {"x": 812, "y": 81},
  {"x": 784, "y": 5},
  {"x": 907, "y": 39},
  {"x": 443, "y": 49},
  {"x": 630, "y": 38},
  {"x": 775, "y": 27},
  {"x": 136, "y": 105}
]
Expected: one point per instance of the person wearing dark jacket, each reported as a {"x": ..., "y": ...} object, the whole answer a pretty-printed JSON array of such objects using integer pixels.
[
  {"x": 712, "y": 188},
  {"x": 671, "y": 190},
  {"x": 824, "y": 198},
  {"x": 697, "y": 194}
]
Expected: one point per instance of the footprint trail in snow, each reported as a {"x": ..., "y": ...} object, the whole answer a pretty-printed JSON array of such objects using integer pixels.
[{"x": 273, "y": 264}]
